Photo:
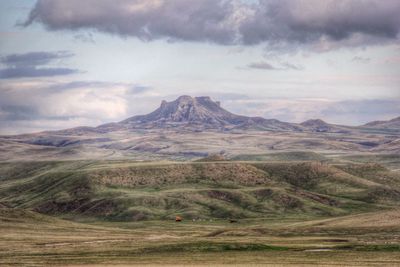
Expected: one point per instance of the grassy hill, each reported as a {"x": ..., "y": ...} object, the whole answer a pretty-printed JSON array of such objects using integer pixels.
[{"x": 134, "y": 191}]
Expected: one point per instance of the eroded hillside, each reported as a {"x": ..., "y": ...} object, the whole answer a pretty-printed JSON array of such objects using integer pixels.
[{"x": 130, "y": 191}]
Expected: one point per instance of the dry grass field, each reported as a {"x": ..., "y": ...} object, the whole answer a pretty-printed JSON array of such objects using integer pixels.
[
  {"x": 30, "y": 239},
  {"x": 286, "y": 213}
]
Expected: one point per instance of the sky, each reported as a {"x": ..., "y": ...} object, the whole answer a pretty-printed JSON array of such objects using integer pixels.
[{"x": 68, "y": 63}]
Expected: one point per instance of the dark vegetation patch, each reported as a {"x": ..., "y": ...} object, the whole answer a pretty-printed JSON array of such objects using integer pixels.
[
  {"x": 302, "y": 175},
  {"x": 382, "y": 194},
  {"x": 369, "y": 144},
  {"x": 225, "y": 196},
  {"x": 317, "y": 197},
  {"x": 19, "y": 170},
  {"x": 362, "y": 169},
  {"x": 85, "y": 206},
  {"x": 282, "y": 156},
  {"x": 218, "y": 210},
  {"x": 212, "y": 247},
  {"x": 336, "y": 240},
  {"x": 373, "y": 247},
  {"x": 141, "y": 176},
  {"x": 287, "y": 202},
  {"x": 263, "y": 194},
  {"x": 212, "y": 158}
]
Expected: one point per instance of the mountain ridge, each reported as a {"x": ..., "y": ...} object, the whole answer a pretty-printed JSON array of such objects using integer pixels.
[
  {"x": 202, "y": 113},
  {"x": 392, "y": 123}
]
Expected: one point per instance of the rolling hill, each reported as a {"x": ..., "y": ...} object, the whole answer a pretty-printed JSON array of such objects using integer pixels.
[{"x": 129, "y": 191}]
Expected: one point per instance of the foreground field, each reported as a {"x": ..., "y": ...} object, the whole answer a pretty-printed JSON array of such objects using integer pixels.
[
  {"x": 123, "y": 212},
  {"x": 31, "y": 239}
]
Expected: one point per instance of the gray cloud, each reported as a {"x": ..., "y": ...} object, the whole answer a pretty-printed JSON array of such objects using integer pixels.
[
  {"x": 267, "y": 66},
  {"x": 85, "y": 37},
  {"x": 33, "y": 58},
  {"x": 11, "y": 112},
  {"x": 32, "y": 65},
  {"x": 336, "y": 20},
  {"x": 34, "y": 72},
  {"x": 284, "y": 24},
  {"x": 204, "y": 20},
  {"x": 359, "y": 59},
  {"x": 226, "y": 97},
  {"x": 139, "y": 89},
  {"x": 76, "y": 85},
  {"x": 262, "y": 66},
  {"x": 291, "y": 66}
]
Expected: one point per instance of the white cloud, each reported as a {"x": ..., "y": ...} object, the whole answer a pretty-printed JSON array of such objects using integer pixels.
[{"x": 64, "y": 105}]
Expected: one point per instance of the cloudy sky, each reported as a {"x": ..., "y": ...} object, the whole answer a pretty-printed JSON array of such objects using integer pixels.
[{"x": 66, "y": 63}]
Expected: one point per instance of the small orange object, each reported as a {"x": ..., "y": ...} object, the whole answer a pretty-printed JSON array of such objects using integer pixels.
[{"x": 178, "y": 219}]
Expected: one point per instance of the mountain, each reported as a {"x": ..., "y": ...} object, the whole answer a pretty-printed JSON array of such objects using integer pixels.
[
  {"x": 186, "y": 109},
  {"x": 198, "y": 113},
  {"x": 202, "y": 113},
  {"x": 390, "y": 124},
  {"x": 196, "y": 127}
]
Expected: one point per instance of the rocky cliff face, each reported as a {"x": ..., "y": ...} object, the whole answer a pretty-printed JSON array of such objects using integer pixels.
[{"x": 201, "y": 113}]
